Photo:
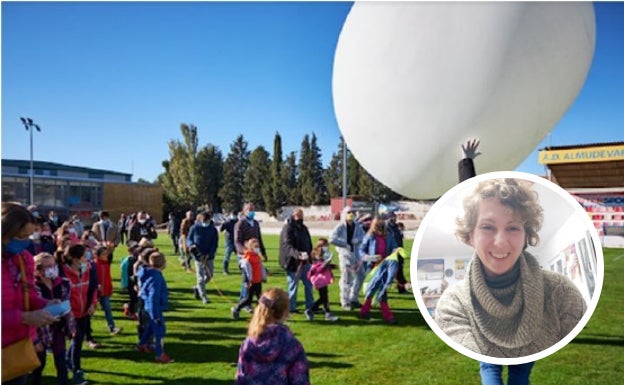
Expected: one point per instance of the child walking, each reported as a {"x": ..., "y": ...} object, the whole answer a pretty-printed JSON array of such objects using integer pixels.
[
  {"x": 321, "y": 276},
  {"x": 153, "y": 290},
  {"x": 105, "y": 287},
  {"x": 127, "y": 281},
  {"x": 252, "y": 273},
  {"x": 271, "y": 354}
]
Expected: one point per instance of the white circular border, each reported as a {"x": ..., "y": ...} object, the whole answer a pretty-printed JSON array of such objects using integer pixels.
[{"x": 450, "y": 194}]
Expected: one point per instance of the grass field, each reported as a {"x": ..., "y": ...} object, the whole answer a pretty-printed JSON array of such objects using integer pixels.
[{"x": 204, "y": 340}]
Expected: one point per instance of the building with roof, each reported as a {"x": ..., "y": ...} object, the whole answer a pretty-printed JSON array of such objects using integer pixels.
[
  {"x": 594, "y": 174},
  {"x": 77, "y": 190}
]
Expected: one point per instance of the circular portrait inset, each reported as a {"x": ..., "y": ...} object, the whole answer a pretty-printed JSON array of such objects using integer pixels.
[{"x": 508, "y": 268}]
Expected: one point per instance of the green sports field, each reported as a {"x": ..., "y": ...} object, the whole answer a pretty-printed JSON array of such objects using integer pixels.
[{"x": 204, "y": 340}]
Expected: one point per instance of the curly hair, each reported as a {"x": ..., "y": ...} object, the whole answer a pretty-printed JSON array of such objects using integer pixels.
[{"x": 509, "y": 192}]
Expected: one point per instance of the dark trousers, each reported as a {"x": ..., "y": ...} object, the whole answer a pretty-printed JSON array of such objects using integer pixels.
[
  {"x": 323, "y": 299},
  {"x": 400, "y": 276},
  {"x": 59, "y": 364},
  {"x": 134, "y": 298},
  {"x": 255, "y": 289},
  {"x": 74, "y": 354}
]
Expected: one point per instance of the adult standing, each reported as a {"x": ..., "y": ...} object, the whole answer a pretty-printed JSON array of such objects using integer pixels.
[
  {"x": 18, "y": 322},
  {"x": 295, "y": 249},
  {"x": 347, "y": 237},
  {"x": 202, "y": 242},
  {"x": 245, "y": 229},
  {"x": 393, "y": 229},
  {"x": 53, "y": 220},
  {"x": 122, "y": 225},
  {"x": 185, "y": 226},
  {"x": 173, "y": 229},
  {"x": 228, "y": 228},
  {"x": 491, "y": 374},
  {"x": 142, "y": 228},
  {"x": 106, "y": 233}
]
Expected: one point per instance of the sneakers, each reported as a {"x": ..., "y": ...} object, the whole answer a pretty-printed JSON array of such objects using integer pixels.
[
  {"x": 225, "y": 272},
  {"x": 248, "y": 309},
  {"x": 114, "y": 331},
  {"x": 143, "y": 348},
  {"x": 79, "y": 378},
  {"x": 309, "y": 314},
  {"x": 164, "y": 359},
  {"x": 93, "y": 344},
  {"x": 330, "y": 317},
  {"x": 235, "y": 313},
  {"x": 347, "y": 307}
]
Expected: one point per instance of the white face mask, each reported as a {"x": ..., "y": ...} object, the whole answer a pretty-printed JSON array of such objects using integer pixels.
[
  {"x": 35, "y": 236},
  {"x": 51, "y": 272},
  {"x": 84, "y": 266},
  {"x": 257, "y": 250},
  {"x": 71, "y": 230}
]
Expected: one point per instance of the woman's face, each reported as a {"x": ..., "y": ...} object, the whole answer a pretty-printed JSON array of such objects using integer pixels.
[{"x": 498, "y": 237}]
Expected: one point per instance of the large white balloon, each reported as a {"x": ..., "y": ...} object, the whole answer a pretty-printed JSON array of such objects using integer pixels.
[{"x": 413, "y": 81}]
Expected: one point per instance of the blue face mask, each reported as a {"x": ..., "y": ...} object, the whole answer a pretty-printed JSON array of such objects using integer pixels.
[
  {"x": 251, "y": 215},
  {"x": 16, "y": 246}
]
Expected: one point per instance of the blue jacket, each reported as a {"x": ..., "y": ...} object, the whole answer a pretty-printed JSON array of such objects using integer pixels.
[
  {"x": 206, "y": 238},
  {"x": 153, "y": 291},
  {"x": 369, "y": 245}
]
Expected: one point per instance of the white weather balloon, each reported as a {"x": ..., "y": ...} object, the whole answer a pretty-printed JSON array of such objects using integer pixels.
[{"x": 413, "y": 81}]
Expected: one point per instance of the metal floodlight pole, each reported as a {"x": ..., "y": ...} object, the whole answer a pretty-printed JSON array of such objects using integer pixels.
[{"x": 31, "y": 126}]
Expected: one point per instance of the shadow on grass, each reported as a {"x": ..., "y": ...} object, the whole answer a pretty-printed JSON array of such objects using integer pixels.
[
  {"x": 609, "y": 340},
  {"x": 127, "y": 378},
  {"x": 182, "y": 352}
]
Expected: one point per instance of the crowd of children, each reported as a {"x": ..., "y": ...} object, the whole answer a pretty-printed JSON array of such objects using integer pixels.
[{"x": 75, "y": 267}]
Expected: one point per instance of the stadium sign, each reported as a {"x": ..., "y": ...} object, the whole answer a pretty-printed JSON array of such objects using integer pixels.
[{"x": 582, "y": 155}]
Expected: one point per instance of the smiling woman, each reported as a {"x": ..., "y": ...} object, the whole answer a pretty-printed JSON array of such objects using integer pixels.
[{"x": 502, "y": 307}]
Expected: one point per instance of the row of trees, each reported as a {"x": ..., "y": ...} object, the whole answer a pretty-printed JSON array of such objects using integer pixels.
[{"x": 196, "y": 176}]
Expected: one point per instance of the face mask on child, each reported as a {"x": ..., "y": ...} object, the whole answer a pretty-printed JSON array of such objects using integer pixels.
[
  {"x": 51, "y": 272},
  {"x": 257, "y": 250},
  {"x": 84, "y": 266}
]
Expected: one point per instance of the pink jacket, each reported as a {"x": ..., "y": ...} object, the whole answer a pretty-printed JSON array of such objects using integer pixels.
[
  {"x": 320, "y": 275},
  {"x": 13, "y": 329}
]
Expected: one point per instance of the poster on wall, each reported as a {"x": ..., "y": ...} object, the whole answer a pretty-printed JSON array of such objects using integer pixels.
[
  {"x": 585, "y": 262},
  {"x": 430, "y": 269},
  {"x": 461, "y": 265}
]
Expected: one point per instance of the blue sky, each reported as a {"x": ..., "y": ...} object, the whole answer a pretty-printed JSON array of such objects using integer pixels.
[{"x": 110, "y": 83}]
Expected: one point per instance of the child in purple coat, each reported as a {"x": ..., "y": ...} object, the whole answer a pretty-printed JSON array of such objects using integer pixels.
[
  {"x": 321, "y": 276},
  {"x": 271, "y": 354}
]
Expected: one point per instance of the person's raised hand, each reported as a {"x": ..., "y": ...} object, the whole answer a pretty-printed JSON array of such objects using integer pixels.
[{"x": 470, "y": 149}]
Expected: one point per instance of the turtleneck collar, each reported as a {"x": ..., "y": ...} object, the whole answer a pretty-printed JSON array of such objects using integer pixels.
[{"x": 505, "y": 280}]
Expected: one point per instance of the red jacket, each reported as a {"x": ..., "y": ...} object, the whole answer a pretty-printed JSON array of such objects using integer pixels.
[
  {"x": 104, "y": 278},
  {"x": 78, "y": 297}
]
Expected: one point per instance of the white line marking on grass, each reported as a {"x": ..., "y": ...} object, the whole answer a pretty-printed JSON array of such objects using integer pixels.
[{"x": 618, "y": 257}]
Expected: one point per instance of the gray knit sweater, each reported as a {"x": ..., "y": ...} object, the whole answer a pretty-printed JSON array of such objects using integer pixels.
[{"x": 526, "y": 317}]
